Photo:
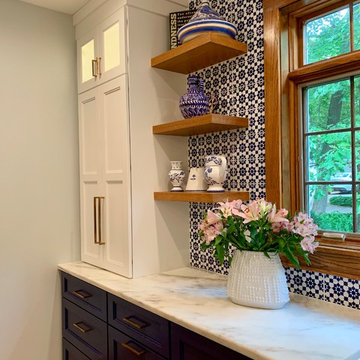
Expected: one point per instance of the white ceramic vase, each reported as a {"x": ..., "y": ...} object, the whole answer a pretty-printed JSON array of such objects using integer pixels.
[
  {"x": 257, "y": 281},
  {"x": 215, "y": 172},
  {"x": 176, "y": 175}
]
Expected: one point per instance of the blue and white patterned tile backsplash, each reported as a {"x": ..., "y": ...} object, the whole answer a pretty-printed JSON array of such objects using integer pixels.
[{"x": 239, "y": 85}]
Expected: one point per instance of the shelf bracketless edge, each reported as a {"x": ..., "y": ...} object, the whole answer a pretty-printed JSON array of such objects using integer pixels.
[
  {"x": 203, "y": 197},
  {"x": 201, "y": 125},
  {"x": 198, "y": 53}
]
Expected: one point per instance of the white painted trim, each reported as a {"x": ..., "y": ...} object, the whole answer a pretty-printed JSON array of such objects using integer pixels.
[{"x": 161, "y": 7}]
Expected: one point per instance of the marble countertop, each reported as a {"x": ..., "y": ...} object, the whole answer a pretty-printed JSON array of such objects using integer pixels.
[{"x": 305, "y": 329}]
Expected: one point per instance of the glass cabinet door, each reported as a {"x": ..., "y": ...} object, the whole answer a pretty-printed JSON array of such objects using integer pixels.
[
  {"x": 112, "y": 37},
  {"x": 87, "y": 65}
]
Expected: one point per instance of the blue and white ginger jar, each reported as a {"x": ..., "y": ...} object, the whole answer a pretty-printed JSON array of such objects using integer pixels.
[{"x": 204, "y": 20}]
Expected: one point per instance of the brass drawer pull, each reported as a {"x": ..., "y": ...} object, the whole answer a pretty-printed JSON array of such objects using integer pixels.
[
  {"x": 81, "y": 294},
  {"x": 98, "y": 66},
  {"x": 81, "y": 328},
  {"x": 130, "y": 348},
  {"x": 138, "y": 325}
]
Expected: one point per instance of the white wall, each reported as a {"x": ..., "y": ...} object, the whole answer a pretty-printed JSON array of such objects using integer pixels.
[{"x": 39, "y": 215}]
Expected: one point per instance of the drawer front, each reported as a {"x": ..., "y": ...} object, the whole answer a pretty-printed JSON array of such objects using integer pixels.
[
  {"x": 85, "y": 331},
  {"x": 187, "y": 345},
  {"x": 70, "y": 352},
  {"x": 123, "y": 347},
  {"x": 87, "y": 296},
  {"x": 145, "y": 327}
]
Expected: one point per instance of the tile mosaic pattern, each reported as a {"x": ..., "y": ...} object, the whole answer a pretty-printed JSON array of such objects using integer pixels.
[{"x": 239, "y": 85}]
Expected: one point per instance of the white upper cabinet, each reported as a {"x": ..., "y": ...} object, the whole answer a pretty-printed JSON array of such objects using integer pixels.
[{"x": 101, "y": 52}]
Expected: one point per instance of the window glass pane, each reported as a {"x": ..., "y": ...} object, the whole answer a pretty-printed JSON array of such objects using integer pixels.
[
  {"x": 330, "y": 210},
  {"x": 328, "y": 106},
  {"x": 357, "y": 26},
  {"x": 112, "y": 47},
  {"x": 357, "y": 154},
  {"x": 329, "y": 157},
  {"x": 327, "y": 36},
  {"x": 87, "y": 55},
  {"x": 357, "y": 100}
]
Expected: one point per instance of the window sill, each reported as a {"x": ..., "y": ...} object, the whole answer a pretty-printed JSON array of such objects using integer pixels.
[{"x": 340, "y": 259}]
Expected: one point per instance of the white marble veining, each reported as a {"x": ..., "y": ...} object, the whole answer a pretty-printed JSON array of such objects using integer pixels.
[{"x": 304, "y": 329}]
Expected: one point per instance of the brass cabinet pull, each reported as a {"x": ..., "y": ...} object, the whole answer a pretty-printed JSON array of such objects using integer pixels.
[
  {"x": 101, "y": 198},
  {"x": 94, "y": 67},
  {"x": 95, "y": 220},
  {"x": 81, "y": 328},
  {"x": 98, "y": 220},
  {"x": 81, "y": 294},
  {"x": 135, "y": 324},
  {"x": 130, "y": 348},
  {"x": 98, "y": 66}
]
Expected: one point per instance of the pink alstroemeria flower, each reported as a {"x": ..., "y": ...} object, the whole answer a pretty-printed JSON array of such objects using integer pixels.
[{"x": 277, "y": 217}]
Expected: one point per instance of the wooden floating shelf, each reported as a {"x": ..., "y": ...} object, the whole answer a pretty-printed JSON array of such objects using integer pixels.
[
  {"x": 202, "y": 197},
  {"x": 198, "y": 53},
  {"x": 201, "y": 125}
]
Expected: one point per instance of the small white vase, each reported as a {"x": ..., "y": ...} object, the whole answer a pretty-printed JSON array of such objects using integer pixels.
[
  {"x": 257, "y": 281},
  {"x": 176, "y": 175}
]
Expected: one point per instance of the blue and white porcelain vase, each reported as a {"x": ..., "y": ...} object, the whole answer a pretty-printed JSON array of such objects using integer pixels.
[
  {"x": 177, "y": 176},
  {"x": 206, "y": 20},
  {"x": 215, "y": 172},
  {"x": 194, "y": 102}
]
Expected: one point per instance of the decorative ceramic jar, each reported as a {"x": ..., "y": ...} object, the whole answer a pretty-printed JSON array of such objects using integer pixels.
[
  {"x": 194, "y": 102},
  {"x": 176, "y": 175},
  {"x": 257, "y": 281},
  {"x": 215, "y": 172},
  {"x": 204, "y": 20}
]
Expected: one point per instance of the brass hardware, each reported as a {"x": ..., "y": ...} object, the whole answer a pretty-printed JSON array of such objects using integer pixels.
[
  {"x": 130, "y": 348},
  {"x": 95, "y": 220},
  {"x": 98, "y": 66},
  {"x": 94, "y": 67},
  {"x": 133, "y": 323},
  {"x": 100, "y": 242},
  {"x": 82, "y": 329},
  {"x": 81, "y": 294}
]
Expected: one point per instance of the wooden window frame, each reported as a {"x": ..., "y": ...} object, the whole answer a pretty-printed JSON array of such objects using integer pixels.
[{"x": 283, "y": 73}]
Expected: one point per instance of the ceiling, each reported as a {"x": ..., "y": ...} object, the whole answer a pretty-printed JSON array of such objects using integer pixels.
[{"x": 64, "y": 6}]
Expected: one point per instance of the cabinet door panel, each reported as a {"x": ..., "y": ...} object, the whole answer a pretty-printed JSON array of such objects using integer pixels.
[
  {"x": 87, "y": 50},
  {"x": 117, "y": 235},
  {"x": 187, "y": 345},
  {"x": 112, "y": 46},
  {"x": 91, "y": 168},
  {"x": 123, "y": 347}
]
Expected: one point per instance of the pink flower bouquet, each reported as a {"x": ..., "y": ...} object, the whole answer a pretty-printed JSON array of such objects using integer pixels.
[{"x": 258, "y": 226}]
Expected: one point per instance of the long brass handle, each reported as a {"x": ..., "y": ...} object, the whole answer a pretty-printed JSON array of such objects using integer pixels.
[
  {"x": 101, "y": 198},
  {"x": 81, "y": 328},
  {"x": 81, "y": 294},
  {"x": 94, "y": 67},
  {"x": 95, "y": 220},
  {"x": 130, "y": 348},
  {"x": 98, "y": 66},
  {"x": 134, "y": 323}
]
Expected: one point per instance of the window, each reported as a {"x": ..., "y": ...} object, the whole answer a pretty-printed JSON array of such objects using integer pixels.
[
  {"x": 331, "y": 154},
  {"x": 312, "y": 115}
]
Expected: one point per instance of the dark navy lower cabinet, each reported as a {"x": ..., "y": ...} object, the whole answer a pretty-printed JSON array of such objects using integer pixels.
[
  {"x": 70, "y": 352},
  {"x": 101, "y": 326},
  {"x": 123, "y": 347},
  {"x": 187, "y": 345}
]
